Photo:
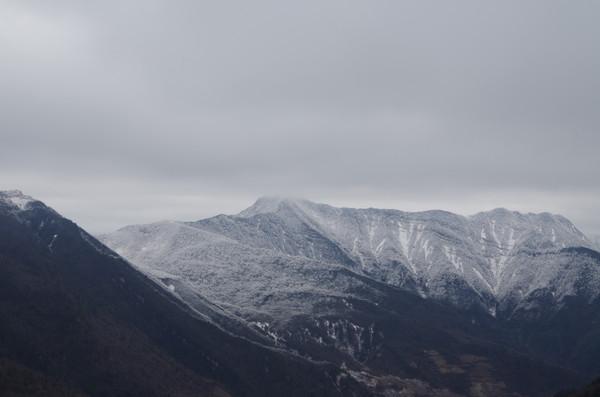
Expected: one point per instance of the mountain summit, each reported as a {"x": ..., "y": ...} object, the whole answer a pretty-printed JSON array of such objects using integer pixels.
[
  {"x": 270, "y": 204},
  {"x": 15, "y": 199}
]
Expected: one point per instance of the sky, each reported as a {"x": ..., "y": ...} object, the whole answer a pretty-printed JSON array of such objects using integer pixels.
[{"x": 121, "y": 112}]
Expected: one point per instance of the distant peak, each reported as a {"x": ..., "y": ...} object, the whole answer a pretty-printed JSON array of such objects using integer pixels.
[{"x": 269, "y": 204}]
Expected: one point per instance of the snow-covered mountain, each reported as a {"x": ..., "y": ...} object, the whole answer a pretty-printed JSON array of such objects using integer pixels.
[
  {"x": 494, "y": 259},
  {"x": 369, "y": 288},
  {"x": 273, "y": 302}
]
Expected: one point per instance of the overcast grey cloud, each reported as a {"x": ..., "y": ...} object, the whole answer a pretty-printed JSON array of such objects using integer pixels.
[{"x": 120, "y": 112}]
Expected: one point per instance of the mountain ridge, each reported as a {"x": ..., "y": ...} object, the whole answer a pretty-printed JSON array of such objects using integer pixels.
[
  {"x": 541, "y": 232},
  {"x": 427, "y": 252},
  {"x": 269, "y": 203}
]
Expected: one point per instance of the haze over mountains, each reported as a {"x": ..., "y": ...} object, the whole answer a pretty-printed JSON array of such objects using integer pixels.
[{"x": 596, "y": 240}]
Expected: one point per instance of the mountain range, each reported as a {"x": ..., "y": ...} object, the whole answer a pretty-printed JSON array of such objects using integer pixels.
[
  {"x": 317, "y": 278},
  {"x": 299, "y": 298},
  {"x": 499, "y": 260}
]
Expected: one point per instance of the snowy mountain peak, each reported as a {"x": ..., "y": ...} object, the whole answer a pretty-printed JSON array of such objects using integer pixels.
[
  {"x": 16, "y": 199},
  {"x": 270, "y": 204}
]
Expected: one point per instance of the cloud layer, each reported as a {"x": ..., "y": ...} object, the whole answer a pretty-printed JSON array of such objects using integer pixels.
[{"x": 118, "y": 112}]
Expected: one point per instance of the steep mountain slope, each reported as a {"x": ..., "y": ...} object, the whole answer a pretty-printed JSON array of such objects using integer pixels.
[
  {"x": 564, "y": 330},
  {"x": 305, "y": 275},
  {"x": 79, "y": 320}
]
